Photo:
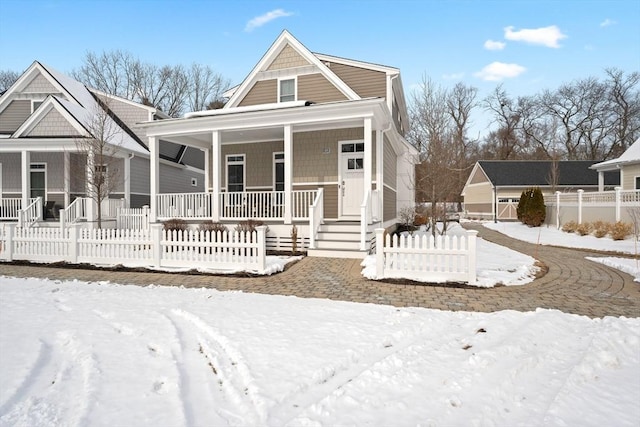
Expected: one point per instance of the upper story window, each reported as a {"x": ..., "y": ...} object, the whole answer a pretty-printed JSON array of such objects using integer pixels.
[
  {"x": 35, "y": 105},
  {"x": 286, "y": 90}
]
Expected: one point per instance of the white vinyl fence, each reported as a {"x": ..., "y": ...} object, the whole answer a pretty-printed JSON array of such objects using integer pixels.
[
  {"x": 581, "y": 206},
  {"x": 133, "y": 218},
  {"x": 136, "y": 248},
  {"x": 425, "y": 258}
]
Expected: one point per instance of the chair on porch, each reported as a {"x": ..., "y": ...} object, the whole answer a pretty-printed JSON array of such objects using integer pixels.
[{"x": 49, "y": 210}]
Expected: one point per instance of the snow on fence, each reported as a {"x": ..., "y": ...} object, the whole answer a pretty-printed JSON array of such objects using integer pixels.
[
  {"x": 425, "y": 258},
  {"x": 136, "y": 248}
]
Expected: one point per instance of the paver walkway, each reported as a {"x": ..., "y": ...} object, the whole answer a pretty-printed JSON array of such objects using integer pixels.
[{"x": 572, "y": 284}]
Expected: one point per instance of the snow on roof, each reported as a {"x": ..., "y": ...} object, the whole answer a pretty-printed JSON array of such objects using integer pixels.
[
  {"x": 632, "y": 155},
  {"x": 258, "y": 107}
]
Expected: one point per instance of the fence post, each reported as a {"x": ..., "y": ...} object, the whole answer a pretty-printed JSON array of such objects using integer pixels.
[
  {"x": 73, "y": 244},
  {"x": 557, "y": 210},
  {"x": 471, "y": 258},
  {"x": 580, "y": 206},
  {"x": 62, "y": 221},
  {"x": 156, "y": 244},
  {"x": 10, "y": 230},
  {"x": 618, "y": 200},
  {"x": 145, "y": 218},
  {"x": 262, "y": 245},
  {"x": 380, "y": 253}
]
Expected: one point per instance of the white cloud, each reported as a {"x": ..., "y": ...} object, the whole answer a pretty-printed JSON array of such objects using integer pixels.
[
  {"x": 494, "y": 45},
  {"x": 607, "y": 22},
  {"x": 545, "y": 36},
  {"x": 259, "y": 21},
  {"x": 453, "y": 76},
  {"x": 497, "y": 71}
]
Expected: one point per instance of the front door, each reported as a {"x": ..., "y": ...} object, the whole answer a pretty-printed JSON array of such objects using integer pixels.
[
  {"x": 351, "y": 178},
  {"x": 38, "y": 180}
]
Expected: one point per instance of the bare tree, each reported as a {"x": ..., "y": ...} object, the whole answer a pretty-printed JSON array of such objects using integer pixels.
[
  {"x": 505, "y": 140},
  {"x": 101, "y": 152},
  {"x": 624, "y": 95},
  {"x": 7, "y": 78},
  {"x": 173, "y": 89}
]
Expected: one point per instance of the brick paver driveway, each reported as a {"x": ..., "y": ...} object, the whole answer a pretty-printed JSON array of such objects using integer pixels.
[{"x": 572, "y": 284}]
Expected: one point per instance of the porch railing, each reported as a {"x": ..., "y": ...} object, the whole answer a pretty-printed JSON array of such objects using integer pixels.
[
  {"x": 31, "y": 214},
  {"x": 9, "y": 208},
  {"x": 77, "y": 210},
  {"x": 261, "y": 205},
  {"x": 110, "y": 207},
  {"x": 316, "y": 217},
  {"x": 185, "y": 205}
]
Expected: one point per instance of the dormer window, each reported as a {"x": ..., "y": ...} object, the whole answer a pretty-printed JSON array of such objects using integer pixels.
[{"x": 287, "y": 90}]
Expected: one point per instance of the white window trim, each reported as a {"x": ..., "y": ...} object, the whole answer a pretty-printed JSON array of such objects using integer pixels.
[
  {"x": 635, "y": 179},
  {"x": 275, "y": 161},
  {"x": 194, "y": 182},
  {"x": 33, "y": 102},
  {"x": 295, "y": 87},
  {"x": 243, "y": 162},
  {"x": 44, "y": 169}
]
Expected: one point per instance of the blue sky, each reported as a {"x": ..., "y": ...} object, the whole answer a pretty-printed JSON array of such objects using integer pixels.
[{"x": 526, "y": 45}]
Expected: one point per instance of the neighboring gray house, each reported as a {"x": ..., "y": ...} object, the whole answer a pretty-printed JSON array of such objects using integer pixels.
[
  {"x": 627, "y": 166},
  {"x": 493, "y": 188},
  {"x": 45, "y": 114}
]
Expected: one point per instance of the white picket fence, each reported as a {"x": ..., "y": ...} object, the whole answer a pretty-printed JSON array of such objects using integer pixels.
[
  {"x": 133, "y": 218},
  {"x": 425, "y": 258},
  {"x": 136, "y": 248}
]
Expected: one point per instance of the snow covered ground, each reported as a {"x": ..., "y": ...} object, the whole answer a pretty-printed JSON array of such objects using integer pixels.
[
  {"x": 496, "y": 265},
  {"x": 551, "y": 236},
  {"x": 101, "y": 354}
]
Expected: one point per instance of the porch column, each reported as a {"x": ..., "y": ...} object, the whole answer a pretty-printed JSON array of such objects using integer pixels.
[
  {"x": 600, "y": 181},
  {"x": 207, "y": 169},
  {"x": 380, "y": 174},
  {"x": 127, "y": 180},
  {"x": 288, "y": 173},
  {"x": 26, "y": 178},
  {"x": 89, "y": 188},
  {"x": 368, "y": 155},
  {"x": 215, "y": 164},
  {"x": 67, "y": 178},
  {"x": 154, "y": 178}
]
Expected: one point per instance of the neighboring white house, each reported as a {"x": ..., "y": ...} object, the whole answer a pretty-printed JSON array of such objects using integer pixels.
[
  {"x": 628, "y": 165},
  {"x": 307, "y": 139},
  {"x": 45, "y": 114}
]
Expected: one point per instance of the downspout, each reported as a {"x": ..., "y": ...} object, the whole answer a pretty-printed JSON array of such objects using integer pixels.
[{"x": 495, "y": 204}]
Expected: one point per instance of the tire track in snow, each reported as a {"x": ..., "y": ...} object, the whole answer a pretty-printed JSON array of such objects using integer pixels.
[
  {"x": 333, "y": 378},
  {"x": 65, "y": 368},
  {"x": 229, "y": 380}
]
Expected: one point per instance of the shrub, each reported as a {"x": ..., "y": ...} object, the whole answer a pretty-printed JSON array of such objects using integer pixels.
[
  {"x": 570, "y": 227},
  {"x": 294, "y": 239},
  {"x": 420, "y": 219},
  {"x": 175, "y": 224},
  {"x": 584, "y": 229},
  {"x": 250, "y": 226},
  {"x": 600, "y": 229},
  {"x": 620, "y": 230},
  {"x": 211, "y": 226},
  {"x": 531, "y": 209}
]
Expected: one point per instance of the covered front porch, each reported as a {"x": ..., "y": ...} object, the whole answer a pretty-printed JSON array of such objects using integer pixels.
[{"x": 301, "y": 164}]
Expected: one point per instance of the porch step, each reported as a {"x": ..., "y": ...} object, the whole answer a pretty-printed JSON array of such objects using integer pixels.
[
  {"x": 344, "y": 227},
  {"x": 337, "y": 253}
]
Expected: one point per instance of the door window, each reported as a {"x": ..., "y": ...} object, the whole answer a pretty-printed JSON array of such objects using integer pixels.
[
  {"x": 278, "y": 171},
  {"x": 38, "y": 178},
  {"x": 235, "y": 173}
]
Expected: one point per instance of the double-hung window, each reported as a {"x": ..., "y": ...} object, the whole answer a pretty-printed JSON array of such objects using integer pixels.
[{"x": 286, "y": 90}]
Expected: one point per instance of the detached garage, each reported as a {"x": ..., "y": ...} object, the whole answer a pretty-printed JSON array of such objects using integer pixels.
[{"x": 493, "y": 188}]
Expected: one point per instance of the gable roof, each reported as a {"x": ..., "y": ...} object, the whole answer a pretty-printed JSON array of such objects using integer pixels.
[
  {"x": 632, "y": 155},
  {"x": 510, "y": 173},
  {"x": 286, "y": 39}
]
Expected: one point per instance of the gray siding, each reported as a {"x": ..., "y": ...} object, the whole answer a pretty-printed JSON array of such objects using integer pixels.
[
  {"x": 129, "y": 114},
  {"x": 263, "y": 92},
  {"x": 10, "y": 173},
  {"x": 315, "y": 87},
  {"x": 194, "y": 157},
  {"x": 178, "y": 180},
  {"x": 14, "y": 115},
  {"x": 140, "y": 175},
  {"x": 390, "y": 165},
  {"x": 40, "y": 84},
  {"x": 288, "y": 58},
  {"x": 366, "y": 83},
  {"x": 53, "y": 124}
]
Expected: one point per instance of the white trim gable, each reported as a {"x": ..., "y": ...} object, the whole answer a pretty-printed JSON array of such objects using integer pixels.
[
  {"x": 51, "y": 103},
  {"x": 25, "y": 79},
  {"x": 283, "y": 40},
  {"x": 475, "y": 169}
]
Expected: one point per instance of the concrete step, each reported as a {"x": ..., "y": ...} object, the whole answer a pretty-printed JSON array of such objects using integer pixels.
[
  {"x": 338, "y": 227},
  {"x": 341, "y": 236},
  {"x": 338, "y": 244},
  {"x": 336, "y": 253}
]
